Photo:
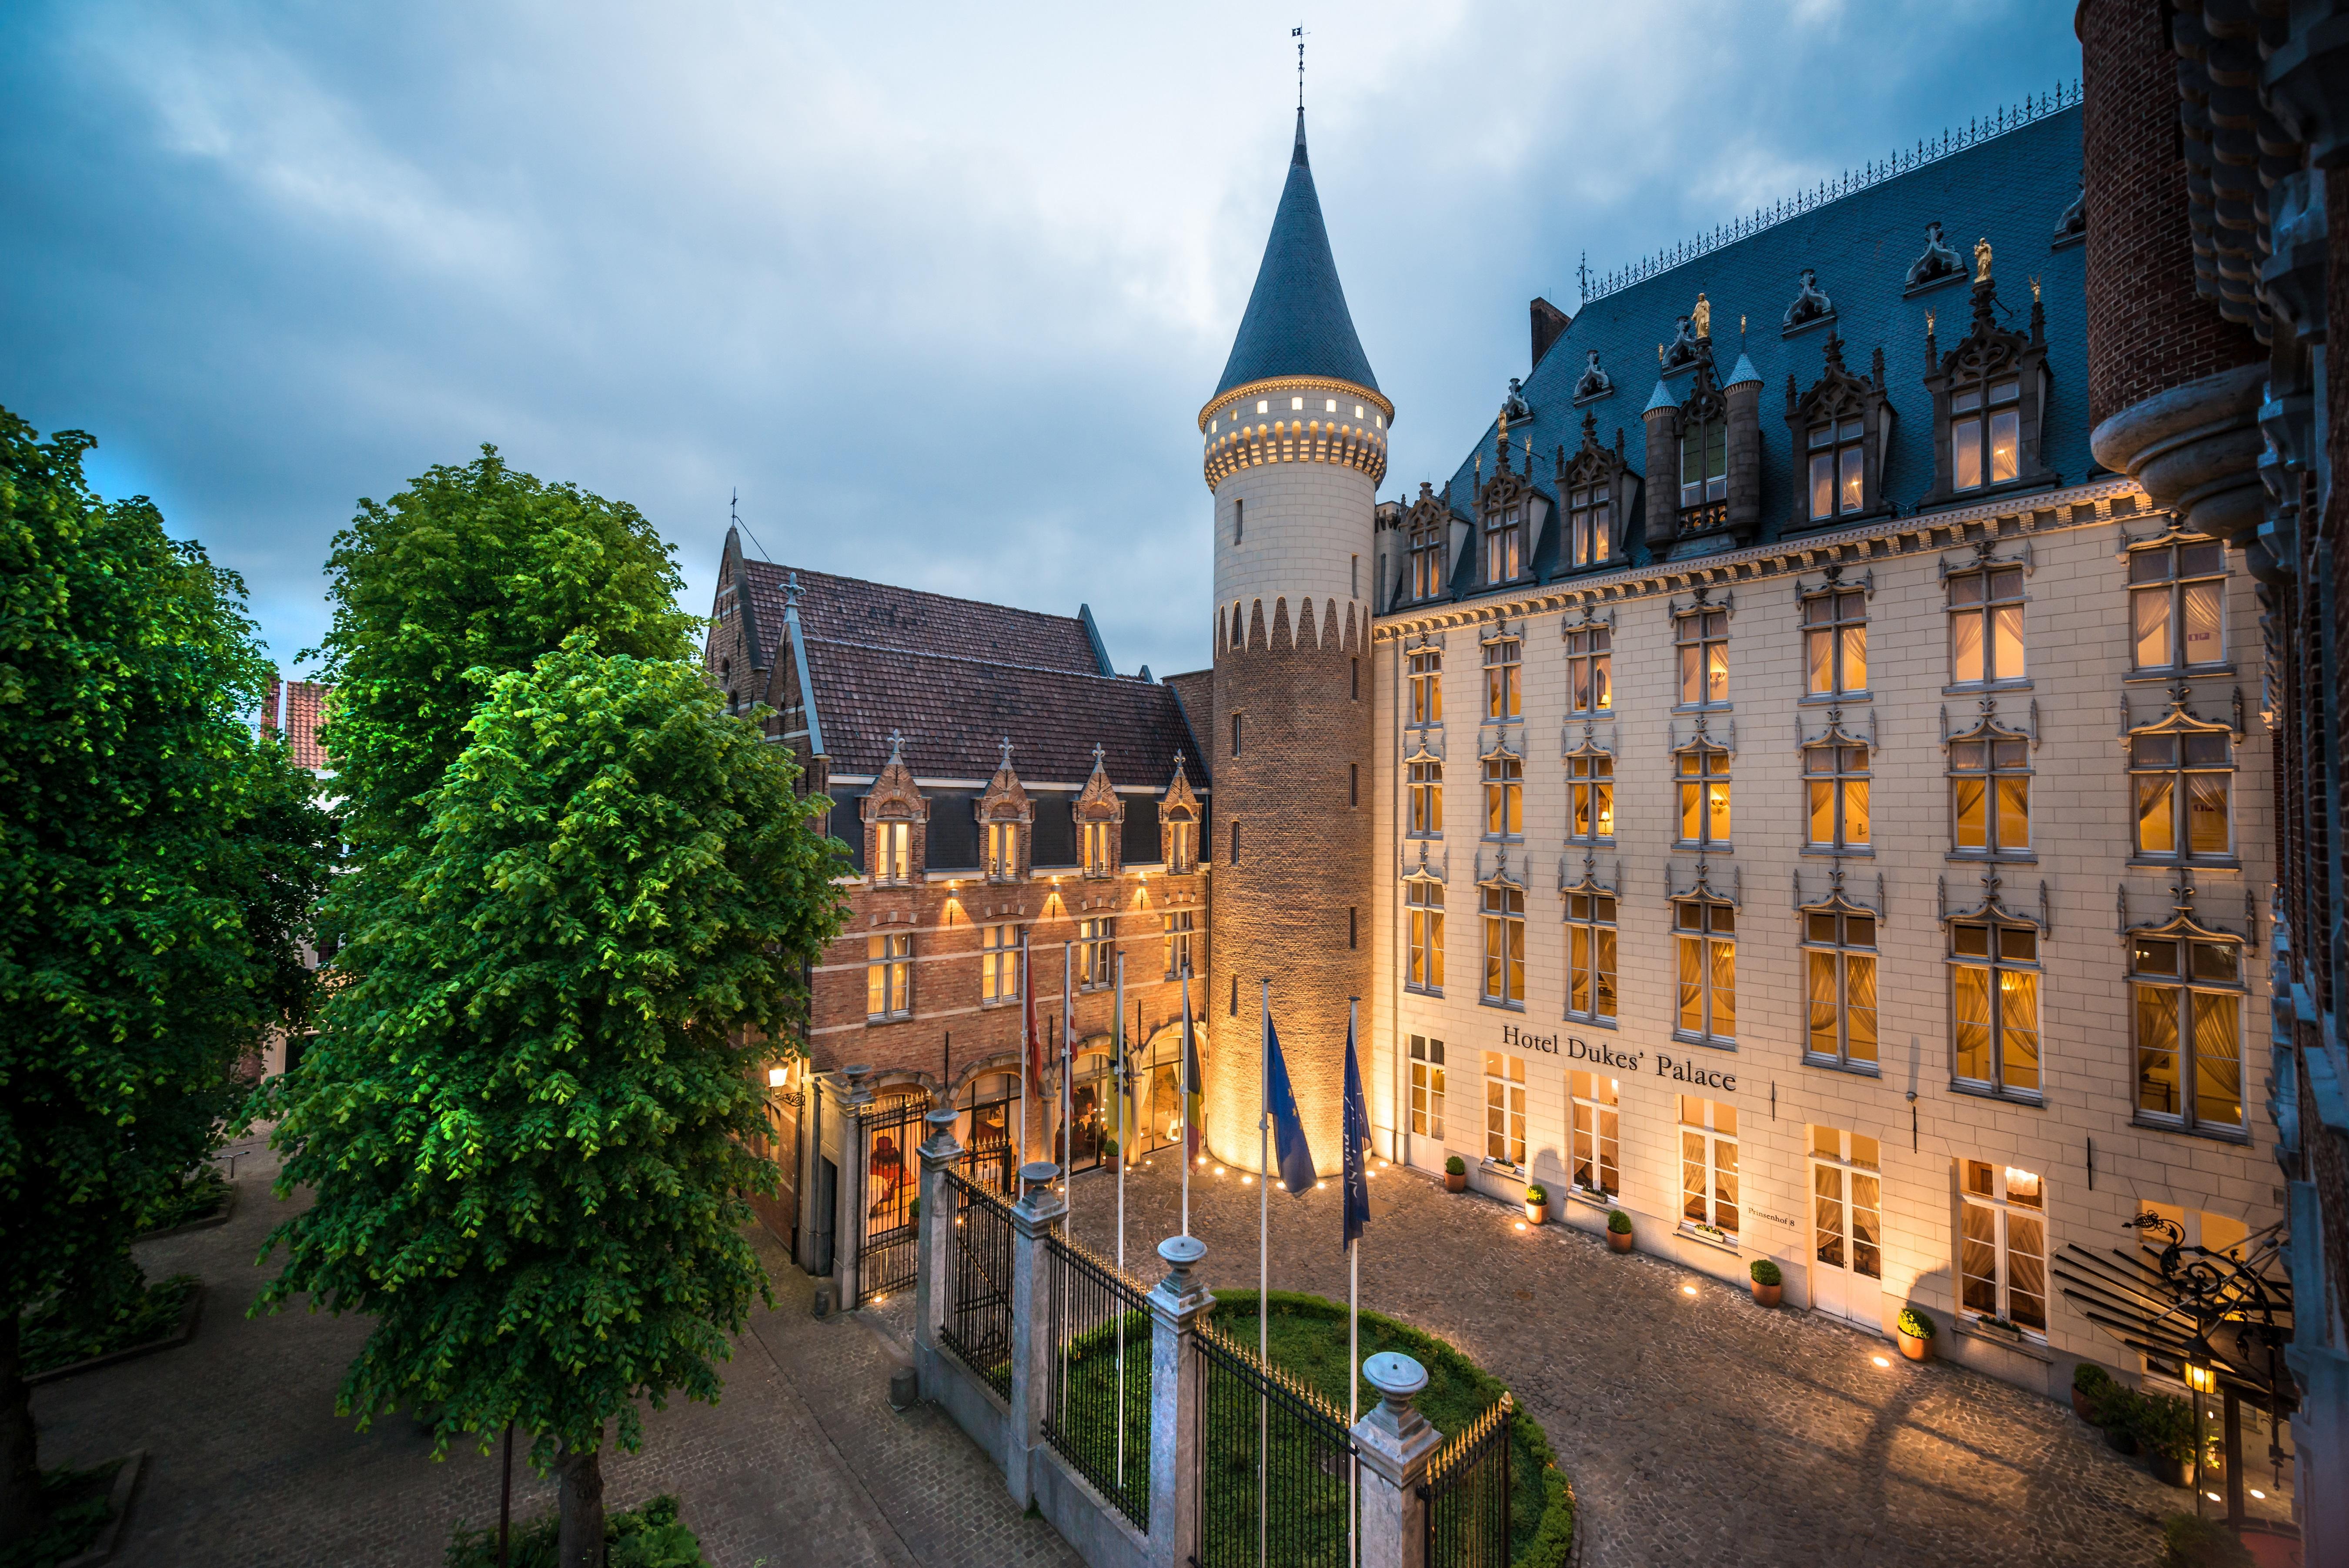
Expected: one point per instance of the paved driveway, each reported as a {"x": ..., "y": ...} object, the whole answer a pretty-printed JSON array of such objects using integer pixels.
[
  {"x": 1699, "y": 1429},
  {"x": 801, "y": 1462}
]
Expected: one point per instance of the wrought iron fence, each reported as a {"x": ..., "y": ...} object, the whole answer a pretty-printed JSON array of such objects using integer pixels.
[
  {"x": 892, "y": 1248},
  {"x": 1276, "y": 1466},
  {"x": 1467, "y": 1495},
  {"x": 1097, "y": 1412},
  {"x": 978, "y": 1326}
]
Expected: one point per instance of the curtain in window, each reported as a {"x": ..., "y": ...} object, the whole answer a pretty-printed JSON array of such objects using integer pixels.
[
  {"x": 2026, "y": 1271},
  {"x": 1724, "y": 990},
  {"x": 1978, "y": 1259},
  {"x": 2204, "y": 644},
  {"x": 1693, "y": 1178},
  {"x": 1691, "y": 985},
  {"x": 1966, "y": 645},
  {"x": 1860, "y": 1006},
  {"x": 2157, "y": 1050},
  {"x": 2018, "y": 1018},
  {"x": 2014, "y": 814},
  {"x": 1822, "y": 1004},
  {"x": 2218, "y": 1060},
  {"x": 1867, "y": 1227},
  {"x": 1970, "y": 794},
  {"x": 1972, "y": 1017},
  {"x": 2156, "y": 832},
  {"x": 2206, "y": 819}
]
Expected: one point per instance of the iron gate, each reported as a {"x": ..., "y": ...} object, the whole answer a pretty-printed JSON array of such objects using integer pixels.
[
  {"x": 892, "y": 1131},
  {"x": 1467, "y": 1495},
  {"x": 1097, "y": 1412},
  {"x": 1276, "y": 1465},
  {"x": 978, "y": 1326}
]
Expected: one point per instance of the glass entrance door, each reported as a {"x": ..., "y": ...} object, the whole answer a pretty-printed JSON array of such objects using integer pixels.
[{"x": 1847, "y": 1227}]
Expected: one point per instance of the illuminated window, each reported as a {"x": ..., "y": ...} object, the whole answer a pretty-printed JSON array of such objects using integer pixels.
[
  {"x": 1503, "y": 698},
  {"x": 1834, "y": 643},
  {"x": 1427, "y": 686},
  {"x": 1590, "y": 687},
  {"x": 1101, "y": 850},
  {"x": 1177, "y": 928},
  {"x": 1096, "y": 964},
  {"x": 1985, "y": 434},
  {"x": 1709, "y": 1195},
  {"x": 1424, "y": 899},
  {"x": 1703, "y": 773},
  {"x": 2177, "y": 596},
  {"x": 1427, "y": 550},
  {"x": 2187, "y": 991},
  {"x": 1590, "y": 524},
  {"x": 1597, "y": 1159},
  {"x": 1705, "y": 933},
  {"x": 1847, "y": 1202},
  {"x": 1838, "y": 468},
  {"x": 1504, "y": 945},
  {"x": 1995, "y": 1007},
  {"x": 1839, "y": 955},
  {"x": 1504, "y": 1109},
  {"x": 998, "y": 964},
  {"x": 1182, "y": 846},
  {"x": 1986, "y": 625},
  {"x": 1704, "y": 471},
  {"x": 1426, "y": 802},
  {"x": 2003, "y": 1251},
  {"x": 1836, "y": 779},
  {"x": 1590, "y": 796},
  {"x": 1504, "y": 542},
  {"x": 1002, "y": 850},
  {"x": 1989, "y": 794},
  {"x": 2184, "y": 781},
  {"x": 1427, "y": 1087},
  {"x": 1505, "y": 796},
  {"x": 1702, "y": 638},
  {"x": 1590, "y": 956},
  {"x": 891, "y": 852},
  {"x": 888, "y": 976}
]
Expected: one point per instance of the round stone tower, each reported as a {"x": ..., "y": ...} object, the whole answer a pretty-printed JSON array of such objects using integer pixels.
[{"x": 1295, "y": 448}]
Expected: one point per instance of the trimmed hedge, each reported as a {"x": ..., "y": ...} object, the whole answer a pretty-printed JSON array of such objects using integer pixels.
[
  {"x": 645, "y": 1537},
  {"x": 1458, "y": 1391}
]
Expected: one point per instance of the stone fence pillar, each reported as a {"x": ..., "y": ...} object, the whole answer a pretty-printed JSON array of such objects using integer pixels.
[
  {"x": 1396, "y": 1444},
  {"x": 1179, "y": 1302},
  {"x": 1033, "y": 1219},
  {"x": 932, "y": 1279}
]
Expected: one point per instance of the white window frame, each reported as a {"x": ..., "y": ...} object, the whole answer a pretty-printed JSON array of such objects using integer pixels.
[
  {"x": 1502, "y": 908},
  {"x": 1505, "y": 1110},
  {"x": 1995, "y": 964},
  {"x": 2183, "y": 991},
  {"x": 1593, "y": 955},
  {"x": 1590, "y": 671},
  {"x": 1995, "y": 611},
  {"x": 999, "y": 964},
  {"x": 1999, "y": 764},
  {"x": 1857, "y": 1159},
  {"x": 1701, "y": 775},
  {"x": 1834, "y": 638},
  {"x": 889, "y": 975},
  {"x": 2004, "y": 1213},
  {"x": 1595, "y": 1134},
  {"x": 893, "y": 855},
  {"x": 2172, "y": 588},
  {"x": 1835, "y": 937},
  {"x": 1426, "y": 687},
  {"x": 1424, "y": 797},
  {"x": 1712, "y": 1190},
  {"x": 1096, "y": 940},
  {"x": 1427, "y": 1087},
  {"x": 1504, "y": 681},
  {"x": 1711, "y": 939},
  {"x": 1504, "y": 777},
  {"x": 1700, "y": 646},
  {"x": 1423, "y": 935},
  {"x": 1843, "y": 784}
]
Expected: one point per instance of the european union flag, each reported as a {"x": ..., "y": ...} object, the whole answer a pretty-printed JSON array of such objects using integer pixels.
[
  {"x": 1290, "y": 1153},
  {"x": 1358, "y": 1145}
]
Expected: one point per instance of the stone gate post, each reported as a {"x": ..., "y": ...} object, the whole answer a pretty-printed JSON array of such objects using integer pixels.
[
  {"x": 853, "y": 1095},
  {"x": 1033, "y": 1219},
  {"x": 933, "y": 1282},
  {"x": 1179, "y": 1302},
  {"x": 1396, "y": 1443}
]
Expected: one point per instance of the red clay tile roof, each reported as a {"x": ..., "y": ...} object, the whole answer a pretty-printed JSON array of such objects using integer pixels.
[
  {"x": 292, "y": 707},
  {"x": 877, "y": 615}
]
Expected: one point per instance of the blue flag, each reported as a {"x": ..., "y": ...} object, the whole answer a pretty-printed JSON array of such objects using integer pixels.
[
  {"x": 1358, "y": 1145},
  {"x": 1290, "y": 1153}
]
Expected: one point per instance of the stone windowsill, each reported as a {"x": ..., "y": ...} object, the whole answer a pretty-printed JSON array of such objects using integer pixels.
[
  {"x": 1504, "y": 1170},
  {"x": 1689, "y": 1233},
  {"x": 2022, "y": 1344},
  {"x": 2171, "y": 676},
  {"x": 2238, "y": 1139},
  {"x": 2004, "y": 1097}
]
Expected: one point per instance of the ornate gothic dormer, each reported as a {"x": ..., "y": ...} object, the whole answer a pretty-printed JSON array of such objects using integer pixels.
[
  {"x": 1005, "y": 819},
  {"x": 1990, "y": 395},
  {"x": 1178, "y": 823},
  {"x": 1810, "y": 309},
  {"x": 1100, "y": 814},
  {"x": 1594, "y": 383},
  {"x": 1839, "y": 433},
  {"x": 1709, "y": 440},
  {"x": 1600, "y": 494},
  {"x": 1510, "y": 513},
  {"x": 1431, "y": 531},
  {"x": 896, "y": 818},
  {"x": 1939, "y": 263}
]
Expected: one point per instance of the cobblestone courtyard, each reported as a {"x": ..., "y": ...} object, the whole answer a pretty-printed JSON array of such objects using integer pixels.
[
  {"x": 248, "y": 1466},
  {"x": 1698, "y": 1430}
]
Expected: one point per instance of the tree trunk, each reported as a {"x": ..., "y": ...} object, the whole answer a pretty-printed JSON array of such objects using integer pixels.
[
  {"x": 580, "y": 1540},
  {"x": 22, "y": 1513}
]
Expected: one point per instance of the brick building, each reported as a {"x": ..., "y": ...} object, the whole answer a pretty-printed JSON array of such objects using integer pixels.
[{"x": 1017, "y": 815}]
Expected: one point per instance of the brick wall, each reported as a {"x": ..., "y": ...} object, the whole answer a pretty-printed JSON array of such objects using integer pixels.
[{"x": 2147, "y": 329}]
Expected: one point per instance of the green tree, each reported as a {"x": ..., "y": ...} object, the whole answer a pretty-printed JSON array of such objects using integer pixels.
[
  {"x": 158, "y": 863},
  {"x": 472, "y": 568},
  {"x": 522, "y": 1118}
]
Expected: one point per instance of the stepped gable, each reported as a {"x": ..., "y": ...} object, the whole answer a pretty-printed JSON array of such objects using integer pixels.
[
  {"x": 1297, "y": 323},
  {"x": 882, "y": 615},
  {"x": 2013, "y": 188}
]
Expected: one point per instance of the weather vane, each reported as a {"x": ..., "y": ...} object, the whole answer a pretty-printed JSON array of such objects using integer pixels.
[{"x": 1298, "y": 32}]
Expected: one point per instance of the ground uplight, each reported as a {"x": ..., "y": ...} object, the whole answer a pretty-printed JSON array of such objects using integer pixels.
[
  {"x": 1688, "y": 1290},
  {"x": 1521, "y": 1224},
  {"x": 2257, "y": 1493}
]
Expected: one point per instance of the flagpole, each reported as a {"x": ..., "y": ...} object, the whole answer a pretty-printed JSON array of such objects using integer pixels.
[
  {"x": 1068, "y": 1091},
  {"x": 1183, "y": 1074},
  {"x": 1354, "y": 1310},
  {"x": 1027, "y": 1042},
  {"x": 1264, "y": 1265},
  {"x": 1124, "y": 1136}
]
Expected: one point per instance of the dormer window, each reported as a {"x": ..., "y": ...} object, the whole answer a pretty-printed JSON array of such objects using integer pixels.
[
  {"x": 892, "y": 854},
  {"x": 1985, "y": 433},
  {"x": 1002, "y": 850},
  {"x": 1182, "y": 846},
  {"x": 1100, "y": 854},
  {"x": 1838, "y": 468},
  {"x": 1590, "y": 524},
  {"x": 1600, "y": 489},
  {"x": 1504, "y": 541},
  {"x": 1840, "y": 428},
  {"x": 1704, "y": 471},
  {"x": 1426, "y": 579}
]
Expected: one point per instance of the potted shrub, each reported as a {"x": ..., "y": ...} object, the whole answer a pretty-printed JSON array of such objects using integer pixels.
[
  {"x": 2089, "y": 1382},
  {"x": 1456, "y": 1175},
  {"x": 1618, "y": 1230},
  {"x": 1109, "y": 1156},
  {"x": 2163, "y": 1426},
  {"x": 2115, "y": 1412},
  {"x": 1536, "y": 1204},
  {"x": 1917, "y": 1332},
  {"x": 1767, "y": 1281}
]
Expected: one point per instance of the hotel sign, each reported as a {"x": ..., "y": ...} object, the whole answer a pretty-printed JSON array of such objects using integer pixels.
[{"x": 1572, "y": 1048}]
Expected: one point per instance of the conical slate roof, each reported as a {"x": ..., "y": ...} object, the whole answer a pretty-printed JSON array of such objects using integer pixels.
[{"x": 1297, "y": 323}]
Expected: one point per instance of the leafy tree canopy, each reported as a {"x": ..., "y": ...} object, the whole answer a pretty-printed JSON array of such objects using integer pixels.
[
  {"x": 521, "y": 1117},
  {"x": 158, "y": 862},
  {"x": 471, "y": 568}
]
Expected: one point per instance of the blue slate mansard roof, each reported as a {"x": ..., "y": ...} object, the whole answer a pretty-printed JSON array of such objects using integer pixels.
[
  {"x": 2011, "y": 189},
  {"x": 1297, "y": 323}
]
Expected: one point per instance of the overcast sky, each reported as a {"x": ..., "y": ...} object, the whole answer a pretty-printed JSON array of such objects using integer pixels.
[{"x": 941, "y": 289}]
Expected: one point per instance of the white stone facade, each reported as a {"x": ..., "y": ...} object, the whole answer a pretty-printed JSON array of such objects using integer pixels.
[{"x": 2098, "y": 1162}]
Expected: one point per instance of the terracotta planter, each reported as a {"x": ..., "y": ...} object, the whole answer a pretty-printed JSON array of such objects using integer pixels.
[
  {"x": 2080, "y": 1404},
  {"x": 2170, "y": 1471},
  {"x": 1916, "y": 1347},
  {"x": 1768, "y": 1294},
  {"x": 1620, "y": 1239},
  {"x": 1109, "y": 1163},
  {"x": 1455, "y": 1182},
  {"x": 1537, "y": 1213}
]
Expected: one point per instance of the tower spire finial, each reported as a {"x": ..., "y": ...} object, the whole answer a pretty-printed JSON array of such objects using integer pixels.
[{"x": 1298, "y": 32}]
